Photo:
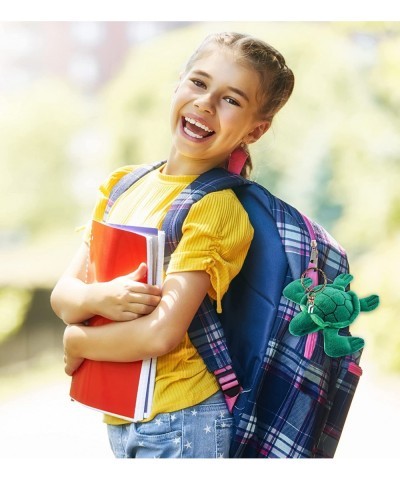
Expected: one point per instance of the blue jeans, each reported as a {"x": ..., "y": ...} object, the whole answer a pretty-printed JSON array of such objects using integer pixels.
[{"x": 201, "y": 431}]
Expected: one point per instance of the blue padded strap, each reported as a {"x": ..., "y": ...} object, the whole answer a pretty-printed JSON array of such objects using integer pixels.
[
  {"x": 205, "y": 330},
  {"x": 126, "y": 182}
]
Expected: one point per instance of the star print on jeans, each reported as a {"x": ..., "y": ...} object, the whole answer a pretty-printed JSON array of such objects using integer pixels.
[
  {"x": 207, "y": 429},
  {"x": 188, "y": 445}
]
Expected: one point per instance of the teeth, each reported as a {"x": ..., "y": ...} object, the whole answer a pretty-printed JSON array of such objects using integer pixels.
[
  {"x": 198, "y": 124},
  {"x": 191, "y": 134}
]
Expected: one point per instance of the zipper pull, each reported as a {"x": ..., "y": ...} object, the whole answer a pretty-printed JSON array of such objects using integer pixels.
[{"x": 314, "y": 254}]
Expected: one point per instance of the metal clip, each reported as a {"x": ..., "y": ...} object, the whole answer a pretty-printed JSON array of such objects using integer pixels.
[
  {"x": 314, "y": 254},
  {"x": 310, "y": 304}
]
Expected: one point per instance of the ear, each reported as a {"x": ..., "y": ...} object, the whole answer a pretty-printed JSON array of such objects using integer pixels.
[{"x": 257, "y": 132}]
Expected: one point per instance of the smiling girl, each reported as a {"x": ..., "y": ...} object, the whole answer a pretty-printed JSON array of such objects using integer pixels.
[{"x": 226, "y": 98}]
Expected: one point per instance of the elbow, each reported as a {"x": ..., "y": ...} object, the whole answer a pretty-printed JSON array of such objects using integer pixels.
[
  {"x": 156, "y": 341},
  {"x": 55, "y": 304},
  {"x": 58, "y": 307},
  {"x": 165, "y": 341}
]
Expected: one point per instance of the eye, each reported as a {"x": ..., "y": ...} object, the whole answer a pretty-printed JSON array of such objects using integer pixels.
[
  {"x": 232, "y": 101},
  {"x": 198, "y": 83}
]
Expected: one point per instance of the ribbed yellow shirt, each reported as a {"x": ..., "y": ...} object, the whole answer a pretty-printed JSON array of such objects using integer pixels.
[{"x": 216, "y": 237}]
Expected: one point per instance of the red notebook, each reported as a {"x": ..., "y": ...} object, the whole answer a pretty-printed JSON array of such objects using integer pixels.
[{"x": 123, "y": 390}]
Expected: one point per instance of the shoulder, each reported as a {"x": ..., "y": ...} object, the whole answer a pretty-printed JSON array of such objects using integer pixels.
[
  {"x": 223, "y": 203},
  {"x": 114, "y": 177},
  {"x": 221, "y": 214},
  {"x": 106, "y": 187}
]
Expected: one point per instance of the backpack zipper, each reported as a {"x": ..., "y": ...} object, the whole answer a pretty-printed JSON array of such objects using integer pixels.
[{"x": 311, "y": 339}]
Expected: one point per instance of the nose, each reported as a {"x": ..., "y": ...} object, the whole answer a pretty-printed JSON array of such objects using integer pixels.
[{"x": 204, "y": 103}]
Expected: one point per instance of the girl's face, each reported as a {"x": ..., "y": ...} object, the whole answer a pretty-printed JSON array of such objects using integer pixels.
[{"x": 213, "y": 110}]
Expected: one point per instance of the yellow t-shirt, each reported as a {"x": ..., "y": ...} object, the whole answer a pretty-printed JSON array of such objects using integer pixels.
[{"x": 216, "y": 237}]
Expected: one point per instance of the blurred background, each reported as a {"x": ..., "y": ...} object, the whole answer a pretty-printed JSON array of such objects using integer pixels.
[{"x": 78, "y": 99}]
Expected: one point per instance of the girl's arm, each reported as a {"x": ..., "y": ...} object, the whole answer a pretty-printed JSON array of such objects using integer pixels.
[
  {"x": 152, "y": 335},
  {"x": 122, "y": 299}
]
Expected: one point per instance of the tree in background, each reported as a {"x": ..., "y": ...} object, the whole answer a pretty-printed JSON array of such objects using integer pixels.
[{"x": 36, "y": 128}]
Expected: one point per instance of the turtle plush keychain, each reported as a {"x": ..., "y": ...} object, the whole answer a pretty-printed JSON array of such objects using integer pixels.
[{"x": 328, "y": 307}]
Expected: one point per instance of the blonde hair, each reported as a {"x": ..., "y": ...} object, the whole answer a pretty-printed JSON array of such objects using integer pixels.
[{"x": 276, "y": 78}]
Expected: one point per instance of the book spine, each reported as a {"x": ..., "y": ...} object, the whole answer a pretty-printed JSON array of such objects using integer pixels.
[
  {"x": 160, "y": 258},
  {"x": 142, "y": 390}
]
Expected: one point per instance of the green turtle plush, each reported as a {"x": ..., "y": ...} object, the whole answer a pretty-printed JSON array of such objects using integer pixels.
[{"x": 328, "y": 307}]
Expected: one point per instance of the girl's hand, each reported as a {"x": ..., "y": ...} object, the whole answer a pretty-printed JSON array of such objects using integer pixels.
[
  {"x": 124, "y": 298},
  {"x": 71, "y": 360}
]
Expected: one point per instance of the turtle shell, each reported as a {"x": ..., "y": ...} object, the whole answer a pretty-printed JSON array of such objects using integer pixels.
[{"x": 335, "y": 308}]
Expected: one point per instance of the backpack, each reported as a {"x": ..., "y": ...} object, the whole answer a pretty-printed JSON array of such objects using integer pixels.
[{"x": 288, "y": 398}]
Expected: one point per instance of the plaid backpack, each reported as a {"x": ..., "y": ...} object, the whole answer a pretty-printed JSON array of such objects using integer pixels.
[{"x": 288, "y": 398}]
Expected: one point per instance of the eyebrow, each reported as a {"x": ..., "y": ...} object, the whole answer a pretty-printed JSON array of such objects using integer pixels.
[{"x": 234, "y": 89}]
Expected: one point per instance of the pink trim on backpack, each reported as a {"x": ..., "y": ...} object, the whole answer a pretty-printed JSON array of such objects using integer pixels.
[
  {"x": 310, "y": 344},
  {"x": 311, "y": 340},
  {"x": 356, "y": 369},
  {"x": 230, "y": 401}
]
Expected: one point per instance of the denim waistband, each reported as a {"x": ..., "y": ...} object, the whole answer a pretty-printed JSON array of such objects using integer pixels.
[{"x": 217, "y": 397}]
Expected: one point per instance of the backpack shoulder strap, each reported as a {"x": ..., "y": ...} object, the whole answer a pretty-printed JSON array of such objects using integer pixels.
[
  {"x": 126, "y": 182},
  {"x": 208, "y": 182},
  {"x": 205, "y": 331}
]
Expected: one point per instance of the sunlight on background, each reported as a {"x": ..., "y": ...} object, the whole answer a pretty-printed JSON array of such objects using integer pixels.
[{"x": 78, "y": 99}]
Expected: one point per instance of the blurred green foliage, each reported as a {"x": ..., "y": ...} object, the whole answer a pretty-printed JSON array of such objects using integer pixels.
[
  {"x": 14, "y": 303},
  {"x": 36, "y": 127},
  {"x": 333, "y": 151}
]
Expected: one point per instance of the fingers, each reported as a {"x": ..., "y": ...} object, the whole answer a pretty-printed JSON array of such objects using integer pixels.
[
  {"x": 133, "y": 306},
  {"x": 137, "y": 277},
  {"x": 141, "y": 309},
  {"x": 127, "y": 315},
  {"x": 144, "y": 299},
  {"x": 139, "y": 274},
  {"x": 143, "y": 289},
  {"x": 134, "y": 310},
  {"x": 125, "y": 298}
]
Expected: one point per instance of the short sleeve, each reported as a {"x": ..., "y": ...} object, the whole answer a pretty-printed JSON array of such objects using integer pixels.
[
  {"x": 103, "y": 195},
  {"x": 216, "y": 236}
]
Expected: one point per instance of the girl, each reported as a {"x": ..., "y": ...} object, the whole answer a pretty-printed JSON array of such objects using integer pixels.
[{"x": 226, "y": 98}]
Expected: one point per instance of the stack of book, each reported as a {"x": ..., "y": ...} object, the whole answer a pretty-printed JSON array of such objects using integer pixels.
[{"x": 121, "y": 389}]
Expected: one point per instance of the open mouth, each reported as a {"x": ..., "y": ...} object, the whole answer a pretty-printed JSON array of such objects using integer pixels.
[{"x": 195, "y": 129}]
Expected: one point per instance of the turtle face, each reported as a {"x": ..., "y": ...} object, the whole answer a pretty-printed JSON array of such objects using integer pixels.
[{"x": 334, "y": 308}]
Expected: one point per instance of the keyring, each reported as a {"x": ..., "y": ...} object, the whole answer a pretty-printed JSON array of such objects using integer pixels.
[{"x": 311, "y": 288}]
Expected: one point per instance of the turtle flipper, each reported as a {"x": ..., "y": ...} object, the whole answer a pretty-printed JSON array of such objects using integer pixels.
[
  {"x": 369, "y": 303},
  {"x": 336, "y": 345},
  {"x": 295, "y": 291},
  {"x": 343, "y": 280},
  {"x": 302, "y": 324}
]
